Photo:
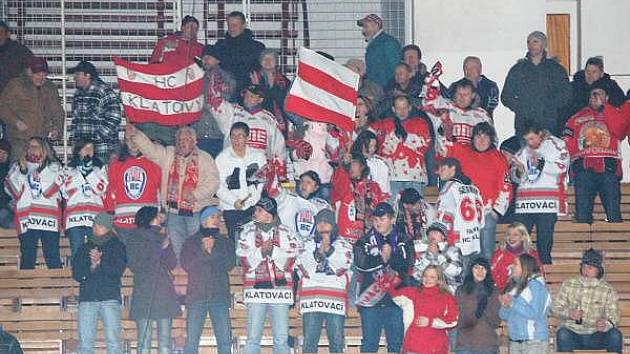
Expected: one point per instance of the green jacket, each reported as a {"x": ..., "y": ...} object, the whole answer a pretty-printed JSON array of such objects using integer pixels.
[{"x": 381, "y": 57}]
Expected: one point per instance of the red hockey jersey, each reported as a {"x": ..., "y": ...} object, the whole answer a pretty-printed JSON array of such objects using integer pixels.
[{"x": 133, "y": 183}]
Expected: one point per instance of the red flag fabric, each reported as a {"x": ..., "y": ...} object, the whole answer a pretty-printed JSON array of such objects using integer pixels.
[
  {"x": 169, "y": 94},
  {"x": 323, "y": 91}
]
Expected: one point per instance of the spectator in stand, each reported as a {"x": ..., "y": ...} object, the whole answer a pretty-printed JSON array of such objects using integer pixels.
[
  {"x": 14, "y": 57},
  {"x": 367, "y": 87},
  {"x": 435, "y": 251},
  {"x": 536, "y": 88},
  {"x": 414, "y": 214},
  {"x": 379, "y": 257},
  {"x": 208, "y": 257},
  {"x": 96, "y": 114},
  {"x": 401, "y": 85},
  {"x": 308, "y": 187},
  {"x": 478, "y": 307},
  {"x": 487, "y": 91},
  {"x": 382, "y": 53},
  {"x": 98, "y": 266},
  {"x": 541, "y": 194},
  {"x": 593, "y": 75},
  {"x": 267, "y": 250},
  {"x": 151, "y": 259},
  {"x": 459, "y": 208},
  {"x": 84, "y": 186},
  {"x": 181, "y": 46},
  {"x": 592, "y": 137},
  {"x": 189, "y": 180},
  {"x": 238, "y": 193},
  {"x": 517, "y": 242},
  {"x": 217, "y": 82},
  {"x": 318, "y": 135},
  {"x": 404, "y": 138},
  {"x": 241, "y": 51},
  {"x": 6, "y": 211},
  {"x": 429, "y": 311},
  {"x": 325, "y": 272},
  {"x": 134, "y": 182},
  {"x": 412, "y": 56},
  {"x": 276, "y": 87},
  {"x": 588, "y": 309},
  {"x": 354, "y": 198},
  {"x": 525, "y": 307},
  {"x": 364, "y": 115},
  {"x": 492, "y": 180},
  {"x": 454, "y": 120},
  {"x": 366, "y": 144},
  {"x": 33, "y": 183},
  {"x": 265, "y": 135},
  {"x": 30, "y": 106}
]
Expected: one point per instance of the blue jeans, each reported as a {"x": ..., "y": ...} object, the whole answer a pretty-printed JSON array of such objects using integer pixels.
[
  {"x": 488, "y": 235},
  {"x": 398, "y": 186},
  {"x": 109, "y": 313},
  {"x": 373, "y": 320},
  {"x": 181, "y": 228},
  {"x": 312, "y": 329},
  {"x": 221, "y": 325},
  {"x": 76, "y": 235},
  {"x": 256, "y": 314},
  {"x": 568, "y": 341},
  {"x": 145, "y": 330}
]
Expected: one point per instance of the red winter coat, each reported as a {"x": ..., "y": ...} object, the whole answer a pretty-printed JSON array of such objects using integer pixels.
[
  {"x": 173, "y": 48},
  {"x": 133, "y": 183},
  {"x": 405, "y": 157},
  {"x": 353, "y": 219},
  {"x": 433, "y": 304},
  {"x": 502, "y": 263},
  {"x": 488, "y": 171}
]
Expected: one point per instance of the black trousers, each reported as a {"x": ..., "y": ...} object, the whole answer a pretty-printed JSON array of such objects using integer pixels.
[
  {"x": 545, "y": 225},
  {"x": 50, "y": 245},
  {"x": 588, "y": 184}
]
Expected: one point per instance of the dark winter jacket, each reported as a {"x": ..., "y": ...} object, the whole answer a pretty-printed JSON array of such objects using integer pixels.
[
  {"x": 240, "y": 56},
  {"x": 153, "y": 295},
  {"x": 582, "y": 91},
  {"x": 208, "y": 273},
  {"x": 536, "y": 94},
  {"x": 382, "y": 54},
  {"x": 103, "y": 282},
  {"x": 368, "y": 261},
  {"x": 477, "y": 334},
  {"x": 9, "y": 344},
  {"x": 14, "y": 59}
]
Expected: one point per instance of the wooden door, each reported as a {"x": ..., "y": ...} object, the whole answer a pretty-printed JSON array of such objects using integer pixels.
[{"x": 558, "y": 38}]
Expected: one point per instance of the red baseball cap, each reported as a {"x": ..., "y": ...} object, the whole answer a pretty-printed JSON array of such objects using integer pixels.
[{"x": 373, "y": 18}]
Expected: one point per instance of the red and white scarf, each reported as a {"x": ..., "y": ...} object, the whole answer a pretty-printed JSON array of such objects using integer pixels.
[{"x": 183, "y": 197}]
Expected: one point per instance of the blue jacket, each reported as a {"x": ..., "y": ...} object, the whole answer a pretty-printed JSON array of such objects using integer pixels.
[
  {"x": 527, "y": 316},
  {"x": 381, "y": 57}
]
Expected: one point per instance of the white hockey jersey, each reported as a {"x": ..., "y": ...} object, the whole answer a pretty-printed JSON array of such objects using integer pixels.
[
  {"x": 379, "y": 173},
  {"x": 460, "y": 208},
  {"x": 542, "y": 191},
  {"x": 264, "y": 134},
  {"x": 236, "y": 177},
  {"x": 37, "y": 197},
  {"x": 298, "y": 214},
  {"x": 83, "y": 195}
]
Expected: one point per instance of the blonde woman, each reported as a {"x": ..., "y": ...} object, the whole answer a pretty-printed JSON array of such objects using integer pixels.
[
  {"x": 517, "y": 241},
  {"x": 428, "y": 311}
]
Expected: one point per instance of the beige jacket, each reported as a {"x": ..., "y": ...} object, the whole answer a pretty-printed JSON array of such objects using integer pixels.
[{"x": 164, "y": 156}]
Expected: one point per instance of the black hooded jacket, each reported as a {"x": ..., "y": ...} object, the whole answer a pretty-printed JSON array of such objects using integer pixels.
[
  {"x": 582, "y": 90},
  {"x": 240, "y": 56}
]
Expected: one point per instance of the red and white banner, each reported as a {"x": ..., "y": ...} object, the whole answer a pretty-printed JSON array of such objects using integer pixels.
[
  {"x": 323, "y": 91},
  {"x": 165, "y": 93}
]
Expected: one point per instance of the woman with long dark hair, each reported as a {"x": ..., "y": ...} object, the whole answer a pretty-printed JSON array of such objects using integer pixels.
[
  {"x": 525, "y": 307},
  {"x": 85, "y": 183},
  {"x": 33, "y": 183},
  {"x": 478, "y": 301}
]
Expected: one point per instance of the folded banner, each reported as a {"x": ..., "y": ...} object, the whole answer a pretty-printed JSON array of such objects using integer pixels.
[
  {"x": 165, "y": 93},
  {"x": 323, "y": 91}
]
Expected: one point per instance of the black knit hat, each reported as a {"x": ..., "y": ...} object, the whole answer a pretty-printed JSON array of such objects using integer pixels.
[
  {"x": 511, "y": 145},
  {"x": 410, "y": 196},
  {"x": 269, "y": 205},
  {"x": 594, "y": 258}
]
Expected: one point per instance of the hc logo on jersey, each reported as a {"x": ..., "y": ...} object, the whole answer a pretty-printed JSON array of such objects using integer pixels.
[
  {"x": 304, "y": 222},
  {"x": 135, "y": 181}
]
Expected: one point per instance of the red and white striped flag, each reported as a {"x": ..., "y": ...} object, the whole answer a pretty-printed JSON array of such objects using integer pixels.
[
  {"x": 165, "y": 93},
  {"x": 323, "y": 91}
]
